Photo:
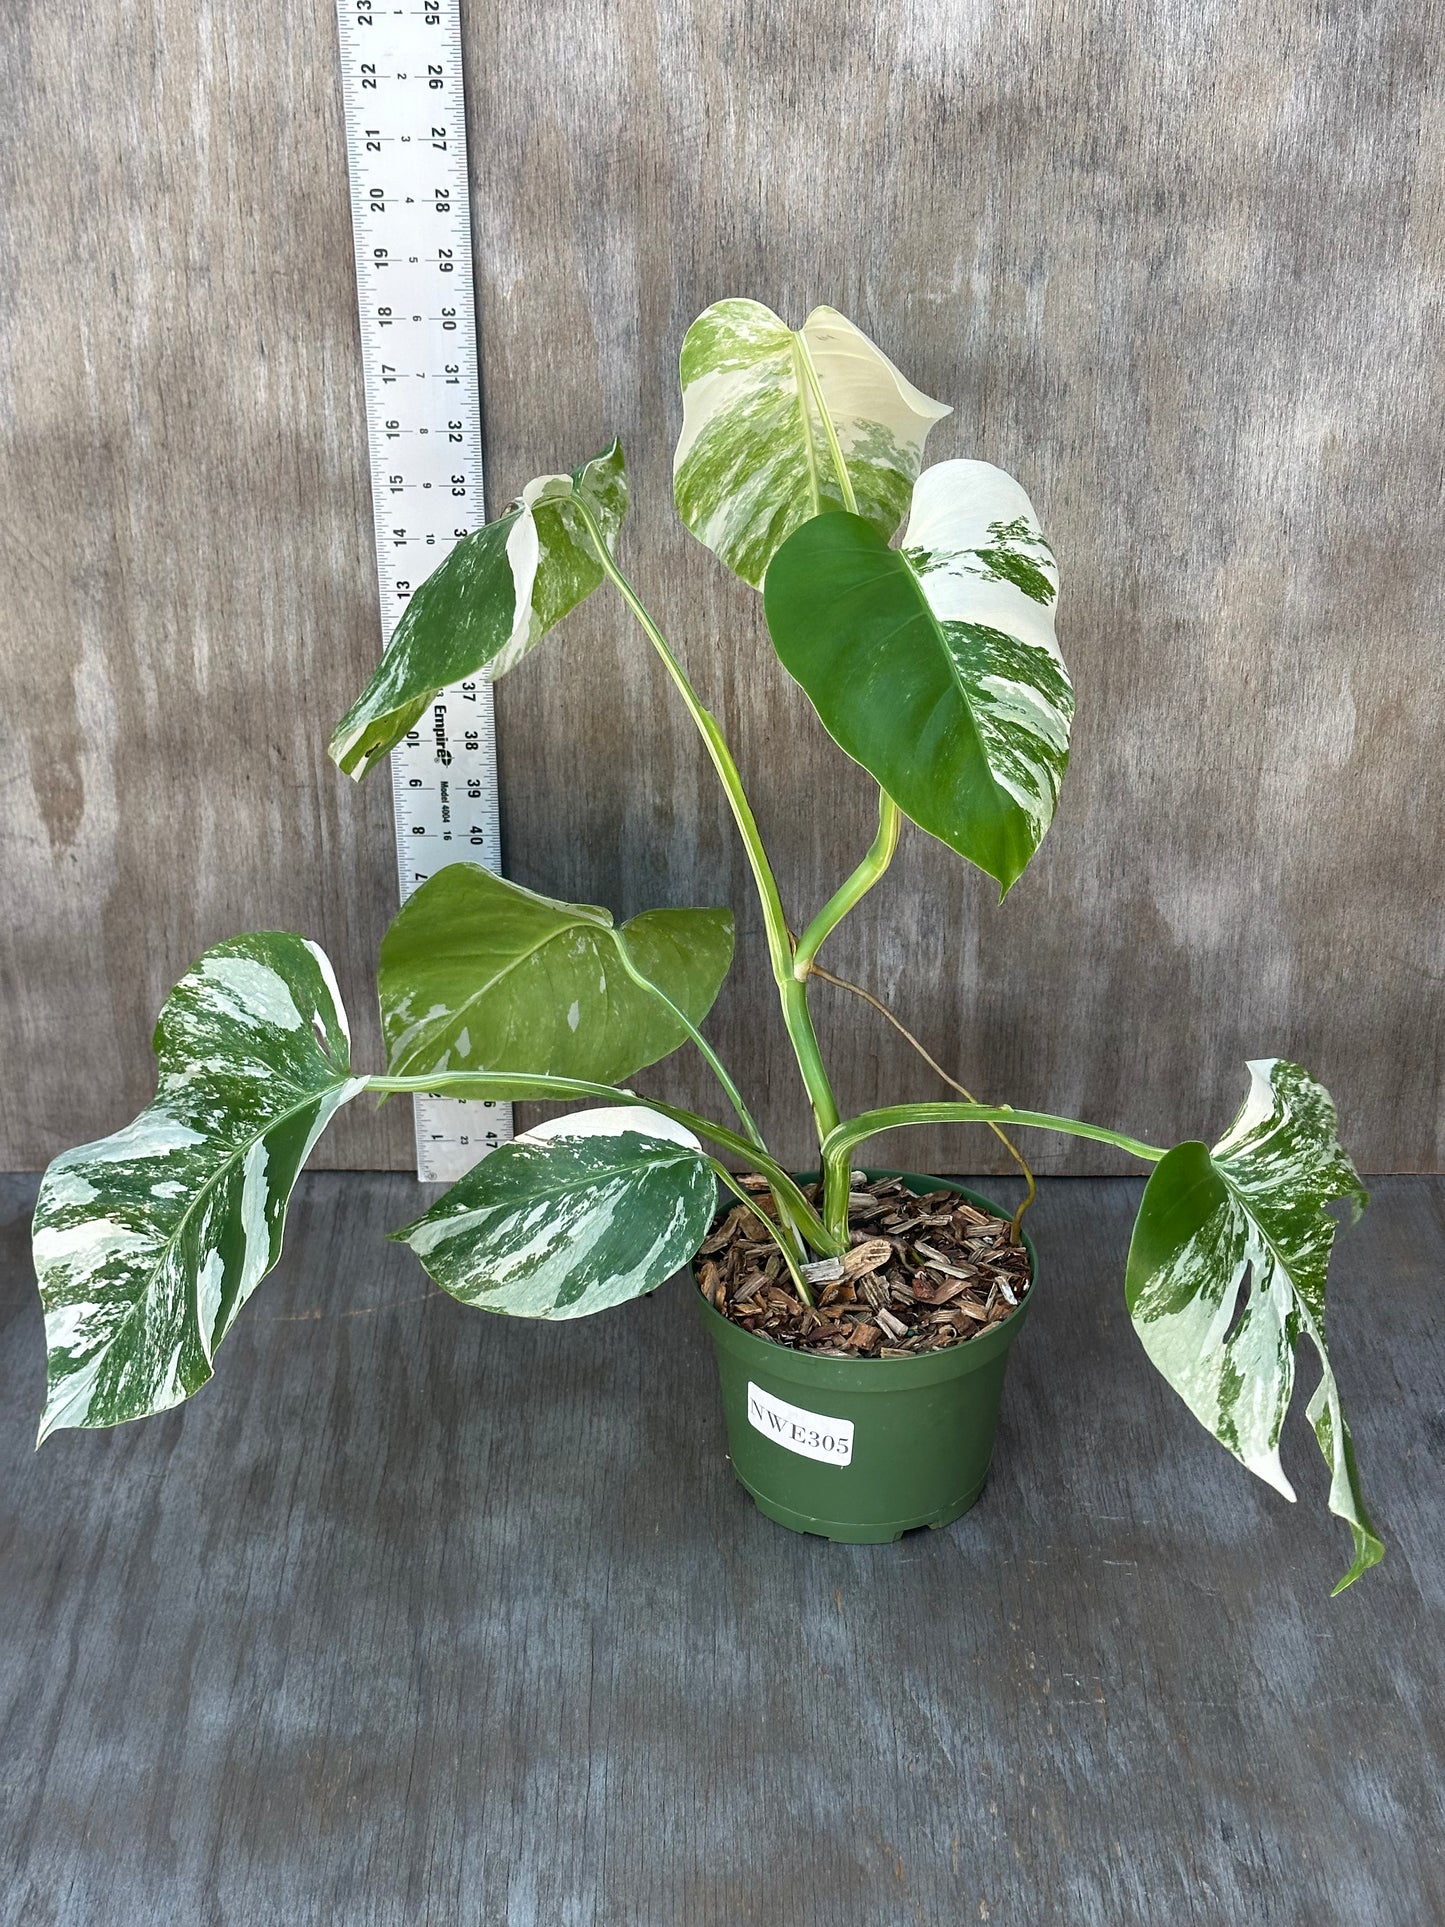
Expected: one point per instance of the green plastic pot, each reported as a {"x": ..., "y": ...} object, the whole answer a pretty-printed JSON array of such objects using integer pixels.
[{"x": 865, "y": 1449}]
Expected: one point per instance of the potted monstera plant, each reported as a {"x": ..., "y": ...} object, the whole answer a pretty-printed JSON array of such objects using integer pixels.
[{"x": 861, "y": 1318}]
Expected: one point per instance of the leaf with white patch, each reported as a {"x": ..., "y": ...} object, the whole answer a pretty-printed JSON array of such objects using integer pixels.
[
  {"x": 1227, "y": 1272},
  {"x": 148, "y": 1243},
  {"x": 489, "y": 602},
  {"x": 763, "y": 407},
  {"x": 935, "y": 665},
  {"x": 477, "y": 973},
  {"x": 571, "y": 1219}
]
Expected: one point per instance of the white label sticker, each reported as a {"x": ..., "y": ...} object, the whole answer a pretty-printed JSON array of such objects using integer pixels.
[{"x": 808, "y": 1433}]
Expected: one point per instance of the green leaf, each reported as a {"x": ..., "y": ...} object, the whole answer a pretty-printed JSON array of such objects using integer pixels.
[
  {"x": 492, "y": 600},
  {"x": 1227, "y": 1272},
  {"x": 935, "y": 665},
  {"x": 585, "y": 1212},
  {"x": 755, "y": 459},
  {"x": 477, "y": 973},
  {"x": 148, "y": 1243}
]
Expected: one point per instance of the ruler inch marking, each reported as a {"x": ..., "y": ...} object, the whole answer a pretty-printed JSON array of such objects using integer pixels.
[{"x": 405, "y": 120}]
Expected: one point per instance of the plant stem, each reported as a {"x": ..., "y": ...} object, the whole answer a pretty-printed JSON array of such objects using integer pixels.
[
  {"x": 933, "y": 1064},
  {"x": 880, "y": 855},
  {"x": 799, "y": 1020},
  {"x": 794, "y": 996},
  {"x": 523, "y": 1086},
  {"x": 800, "y": 1283},
  {"x": 710, "y": 1056},
  {"x": 841, "y": 1143}
]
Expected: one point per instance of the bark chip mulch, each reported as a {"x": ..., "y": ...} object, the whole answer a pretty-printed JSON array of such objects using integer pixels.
[{"x": 921, "y": 1273}]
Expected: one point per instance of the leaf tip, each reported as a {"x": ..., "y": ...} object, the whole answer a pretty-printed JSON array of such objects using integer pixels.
[
  {"x": 1006, "y": 876},
  {"x": 343, "y": 752},
  {"x": 1369, "y": 1551},
  {"x": 50, "y": 1422}
]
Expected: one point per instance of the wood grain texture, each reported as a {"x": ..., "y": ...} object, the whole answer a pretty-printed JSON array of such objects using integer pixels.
[
  {"x": 1178, "y": 269},
  {"x": 417, "y": 1615},
  {"x": 187, "y": 578}
]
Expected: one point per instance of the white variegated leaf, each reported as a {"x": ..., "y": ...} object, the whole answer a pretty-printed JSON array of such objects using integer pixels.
[
  {"x": 585, "y": 1212},
  {"x": 935, "y": 665},
  {"x": 755, "y": 459},
  {"x": 1227, "y": 1272},
  {"x": 610, "y": 1120},
  {"x": 489, "y": 602},
  {"x": 992, "y": 583},
  {"x": 148, "y": 1243}
]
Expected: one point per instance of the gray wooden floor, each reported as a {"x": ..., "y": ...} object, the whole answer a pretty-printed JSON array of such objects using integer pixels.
[{"x": 420, "y": 1616}]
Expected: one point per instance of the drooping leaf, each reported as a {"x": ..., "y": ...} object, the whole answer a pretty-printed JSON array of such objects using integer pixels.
[
  {"x": 148, "y": 1243},
  {"x": 935, "y": 665},
  {"x": 1227, "y": 1272},
  {"x": 477, "y": 973},
  {"x": 493, "y": 598},
  {"x": 754, "y": 460},
  {"x": 587, "y": 1212}
]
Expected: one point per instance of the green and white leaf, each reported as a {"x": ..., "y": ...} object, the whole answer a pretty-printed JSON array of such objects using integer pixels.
[
  {"x": 935, "y": 665},
  {"x": 491, "y": 601},
  {"x": 1247, "y": 1221},
  {"x": 756, "y": 460},
  {"x": 477, "y": 973},
  {"x": 586, "y": 1212},
  {"x": 148, "y": 1243}
]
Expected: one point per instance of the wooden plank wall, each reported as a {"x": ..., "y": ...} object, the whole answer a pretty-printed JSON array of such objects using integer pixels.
[{"x": 1178, "y": 267}]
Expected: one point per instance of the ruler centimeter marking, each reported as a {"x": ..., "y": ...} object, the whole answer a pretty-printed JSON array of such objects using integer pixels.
[{"x": 406, "y": 151}]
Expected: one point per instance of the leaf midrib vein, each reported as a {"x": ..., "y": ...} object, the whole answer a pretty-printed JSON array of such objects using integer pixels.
[
  {"x": 227, "y": 1164},
  {"x": 452, "y": 1016},
  {"x": 677, "y": 1154}
]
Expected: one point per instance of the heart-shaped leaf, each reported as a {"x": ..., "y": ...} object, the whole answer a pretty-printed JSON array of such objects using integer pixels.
[
  {"x": 1227, "y": 1271},
  {"x": 602, "y": 1207},
  {"x": 756, "y": 456},
  {"x": 477, "y": 973},
  {"x": 935, "y": 665},
  {"x": 493, "y": 598},
  {"x": 148, "y": 1243}
]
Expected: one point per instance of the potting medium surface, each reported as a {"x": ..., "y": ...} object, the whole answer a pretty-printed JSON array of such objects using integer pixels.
[{"x": 864, "y": 1449}]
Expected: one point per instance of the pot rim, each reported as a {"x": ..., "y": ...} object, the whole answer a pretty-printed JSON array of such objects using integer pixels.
[{"x": 878, "y": 1374}]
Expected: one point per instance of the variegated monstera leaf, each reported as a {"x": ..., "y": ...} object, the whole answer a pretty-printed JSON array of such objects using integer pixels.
[
  {"x": 492, "y": 600},
  {"x": 477, "y": 973},
  {"x": 1227, "y": 1272},
  {"x": 769, "y": 413},
  {"x": 148, "y": 1243},
  {"x": 935, "y": 665},
  {"x": 582, "y": 1213}
]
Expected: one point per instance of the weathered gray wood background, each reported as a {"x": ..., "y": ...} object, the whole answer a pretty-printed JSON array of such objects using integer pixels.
[{"x": 1178, "y": 267}]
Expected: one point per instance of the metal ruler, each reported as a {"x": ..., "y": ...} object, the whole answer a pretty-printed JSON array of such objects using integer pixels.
[{"x": 406, "y": 151}]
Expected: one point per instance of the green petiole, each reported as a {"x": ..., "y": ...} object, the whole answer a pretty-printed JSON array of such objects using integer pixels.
[
  {"x": 522, "y": 1088},
  {"x": 800, "y": 1283},
  {"x": 793, "y": 994},
  {"x": 840, "y": 1144},
  {"x": 880, "y": 855}
]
